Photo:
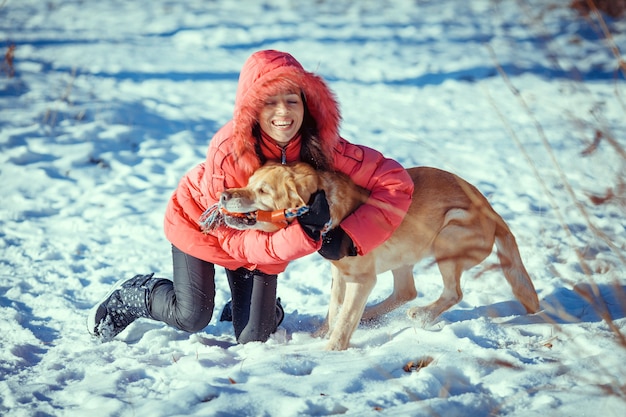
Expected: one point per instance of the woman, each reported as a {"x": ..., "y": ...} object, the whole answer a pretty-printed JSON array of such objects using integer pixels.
[{"x": 282, "y": 113}]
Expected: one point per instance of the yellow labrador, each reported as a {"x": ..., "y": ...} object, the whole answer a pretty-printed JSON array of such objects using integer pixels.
[{"x": 449, "y": 219}]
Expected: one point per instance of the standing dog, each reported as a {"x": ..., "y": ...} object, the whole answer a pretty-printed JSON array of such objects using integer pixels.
[{"x": 449, "y": 219}]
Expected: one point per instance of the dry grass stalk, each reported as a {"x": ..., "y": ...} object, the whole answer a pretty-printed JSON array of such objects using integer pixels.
[
  {"x": 9, "y": 57},
  {"x": 613, "y": 8}
]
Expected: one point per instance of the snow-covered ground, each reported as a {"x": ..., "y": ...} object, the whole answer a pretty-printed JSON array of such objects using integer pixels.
[{"x": 112, "y": 101}]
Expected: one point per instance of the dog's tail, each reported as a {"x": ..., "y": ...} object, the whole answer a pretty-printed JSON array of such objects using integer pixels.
[{"x": 514, "y": 269}]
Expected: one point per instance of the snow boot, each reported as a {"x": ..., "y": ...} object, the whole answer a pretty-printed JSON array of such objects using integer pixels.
[{"x": 128, "y": 300}]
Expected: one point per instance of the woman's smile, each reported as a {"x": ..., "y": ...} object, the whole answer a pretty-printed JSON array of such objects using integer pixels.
[{"x": 281, "y": 117}]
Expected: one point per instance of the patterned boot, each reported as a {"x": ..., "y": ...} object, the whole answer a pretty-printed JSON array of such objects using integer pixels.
[{"x": 128, "y": 300}]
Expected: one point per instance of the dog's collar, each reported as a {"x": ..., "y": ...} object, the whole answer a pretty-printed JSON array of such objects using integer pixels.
[
  {"x": 280, "y": 217},
  {"x": 212, "y": 217}
]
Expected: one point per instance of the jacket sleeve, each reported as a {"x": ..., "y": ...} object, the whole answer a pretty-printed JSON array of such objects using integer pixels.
[
  {"x": 391, "y": 191},
  {"x": 262, "y": 248}
]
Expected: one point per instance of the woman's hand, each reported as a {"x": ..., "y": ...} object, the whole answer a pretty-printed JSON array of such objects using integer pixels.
[
  {"x": 337, "y": 244},
  {"x": 315, "y": 220}
]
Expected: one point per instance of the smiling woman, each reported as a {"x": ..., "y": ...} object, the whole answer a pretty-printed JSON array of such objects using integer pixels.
[{"x": 283, "y": 114}]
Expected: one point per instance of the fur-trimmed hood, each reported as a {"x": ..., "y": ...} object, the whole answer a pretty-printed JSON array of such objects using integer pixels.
[{"x": 266, "y": 73}]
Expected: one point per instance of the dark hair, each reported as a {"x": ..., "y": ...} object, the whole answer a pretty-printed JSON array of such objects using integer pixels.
[{"x": 311, "y": 152}]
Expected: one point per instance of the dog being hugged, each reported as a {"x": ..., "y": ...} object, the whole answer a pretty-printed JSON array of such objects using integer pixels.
[{"x": 449, "y": 220}]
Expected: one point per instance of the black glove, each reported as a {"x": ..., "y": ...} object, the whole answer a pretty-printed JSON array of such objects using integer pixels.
[
  {"x": 337, "y": 244},
  {"x": 314, "y": 220}
]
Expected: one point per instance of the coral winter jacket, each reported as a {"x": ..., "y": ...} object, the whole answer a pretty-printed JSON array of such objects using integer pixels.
[{"x": 231, "y": 159}]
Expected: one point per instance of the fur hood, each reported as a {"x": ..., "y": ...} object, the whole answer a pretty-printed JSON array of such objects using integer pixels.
[{"x": 266, "y": 73}]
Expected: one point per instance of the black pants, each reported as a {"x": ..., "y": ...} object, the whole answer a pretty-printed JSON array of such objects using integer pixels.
[
  {"x": 253, "y": 304},
  {"x": 187, "y": 302}
]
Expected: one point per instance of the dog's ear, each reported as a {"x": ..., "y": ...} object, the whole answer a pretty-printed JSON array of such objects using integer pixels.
[
  {"x": 306, "y": 184},
  {"x": 294, "y": 193}
]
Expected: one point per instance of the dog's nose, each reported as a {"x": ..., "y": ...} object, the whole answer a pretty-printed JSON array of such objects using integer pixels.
[{"x": 225, "y": 197}]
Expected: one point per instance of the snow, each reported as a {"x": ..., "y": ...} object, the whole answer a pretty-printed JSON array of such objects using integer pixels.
[{"x": 113, "y": 101}]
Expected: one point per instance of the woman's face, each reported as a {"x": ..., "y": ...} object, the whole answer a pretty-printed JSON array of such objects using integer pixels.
[{"x": 281, "y": 117}]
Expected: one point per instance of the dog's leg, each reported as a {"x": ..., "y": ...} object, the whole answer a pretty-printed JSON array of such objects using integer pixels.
[
  {"x": 451, "y": 273},
  {"x": 403, "y": 292},
  {"x": 356, "y": 293},
  {"x": 337, "y": 294},
  {"x": 465, "y": 241}
]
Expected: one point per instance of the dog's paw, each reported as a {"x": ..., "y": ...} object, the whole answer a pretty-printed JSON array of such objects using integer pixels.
[
  {"x": 335, "y": 346},
  {"x": 423, "y": 316}
]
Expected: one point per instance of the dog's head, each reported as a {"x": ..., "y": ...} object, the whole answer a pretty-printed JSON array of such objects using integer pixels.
[{"x": 273, "y": 187}]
